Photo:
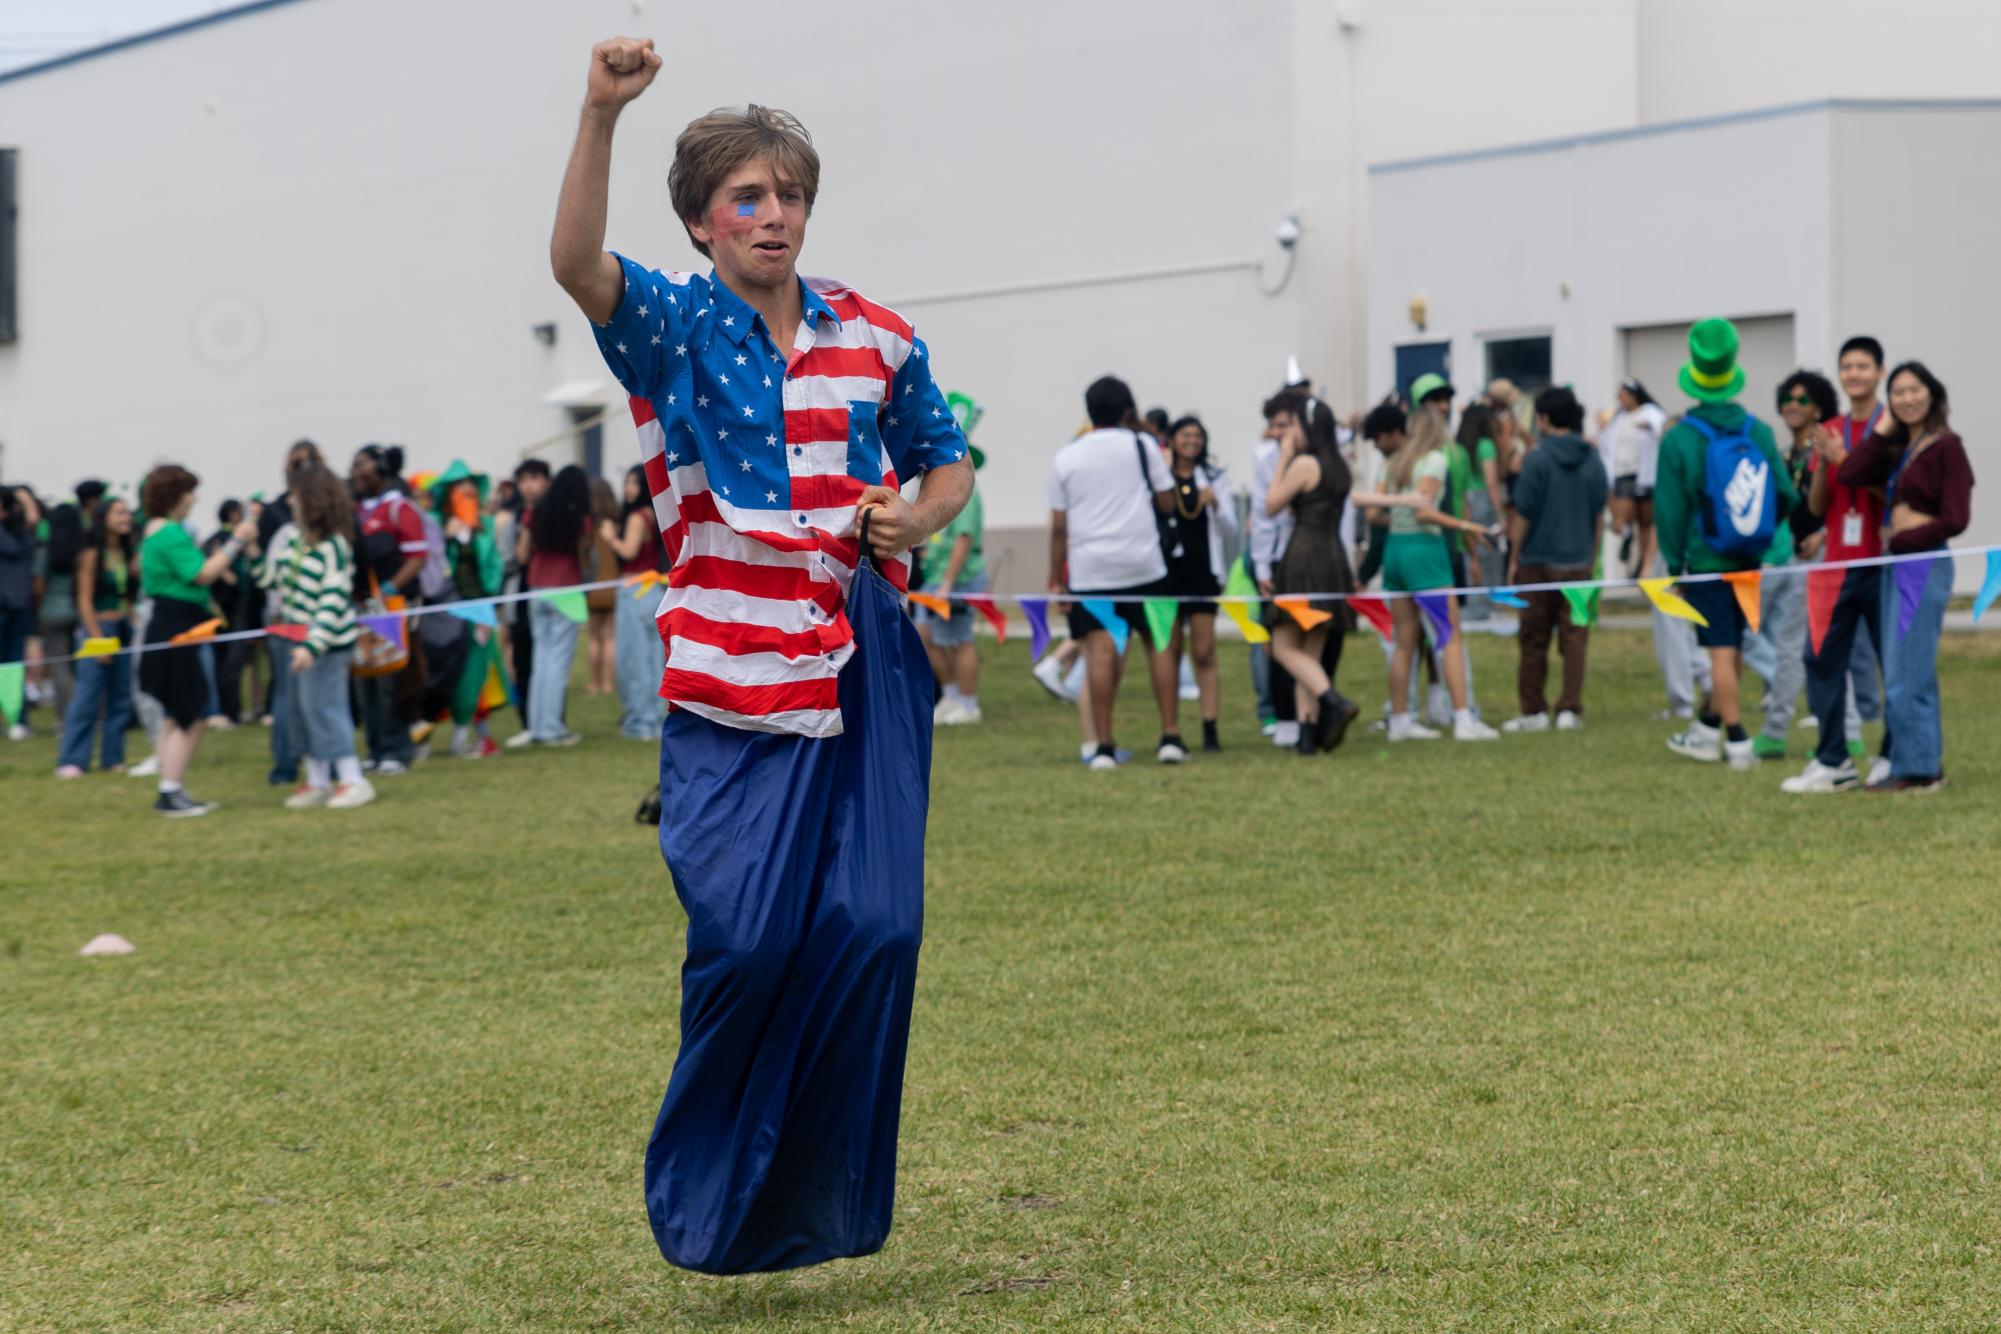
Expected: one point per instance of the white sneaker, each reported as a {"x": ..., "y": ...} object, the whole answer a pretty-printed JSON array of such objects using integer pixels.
[
  {"x": 19, "y": 732},
  {"x": 1049, "y": 675},
  {"x": 1528, "y": 722},
  {"x": 221, "y": 722},
  {"x": 1472, "y": 729},
  {"x": 391, "y": 769},
  {"x": 347, "y": 796},
  {"x": 519, "y": 741},
  {"x": 1285, "y": 735},
  {"x": 1810, "y": 722},
  {"x": 1102, "y": 763},
  {"x": 1171, "y": 751},
  {"x": 969, "y": 711},
  {"x": 1743, "y": 755},
  {"x": 567, "y": 739},
  {"x": 1879, "y": 772},
  {"x": 1403, "y": 727},
  {"x": 1817, "y": 779},
  {"x": 1438, "y": 706},
  {"x": 947, "y": 710},
  {"x": 1566, "y": 721},
  {"x": 307, "y": 797},
  {"x": 1697, "y": 742},
  {"x": 1268, "y": 729},
  {"x": 146, "y": 768}
]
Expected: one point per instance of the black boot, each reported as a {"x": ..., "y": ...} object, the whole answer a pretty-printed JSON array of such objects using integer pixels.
[
  {"x": 1210, "y": 744},
  {"x": 1309, "y": 739},
  {"x": 1336, "y": 712}
]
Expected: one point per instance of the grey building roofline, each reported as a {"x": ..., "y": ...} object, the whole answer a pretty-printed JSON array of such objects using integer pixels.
[
  {"x": 1679, "y": 126},
  {"x": 142, "y": 38}
]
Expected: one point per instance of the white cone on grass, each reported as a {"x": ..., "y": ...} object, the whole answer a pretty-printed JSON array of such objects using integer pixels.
[{"x": 108, "y": 943}]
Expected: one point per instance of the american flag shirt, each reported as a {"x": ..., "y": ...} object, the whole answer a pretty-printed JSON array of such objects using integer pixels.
[{"x": 756, "y": 456}]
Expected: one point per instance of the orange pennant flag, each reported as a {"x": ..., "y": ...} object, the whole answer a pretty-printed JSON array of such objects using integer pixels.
[
  {"x": 931, "y": 602},
  {"x": 1304, "y": 612},
  {"x": 1744, "y": 583},
  {"x": 644, "y": 580},
  {"x": 1670, "y": 604},
  {"x": 195, "y": 634}
]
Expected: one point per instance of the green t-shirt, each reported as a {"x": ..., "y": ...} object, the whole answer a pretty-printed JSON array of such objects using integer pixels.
[
  {"x": 168, "y": 564},
  {"x": 1403, "y": 519},
  {"x": 1459, "y": 470},
  {"x": 972, "y": 522},
  {"x": 1484, "y": 452}
]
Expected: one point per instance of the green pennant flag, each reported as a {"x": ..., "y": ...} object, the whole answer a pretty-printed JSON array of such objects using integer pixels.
[
  {"x": 13, "y": 676},
  {"x": 1241, "y": 585},
  {"x": 1583, "y": 606},
  {"x": 1160, "y": 617},
  {"x": 570, "y": 602}
]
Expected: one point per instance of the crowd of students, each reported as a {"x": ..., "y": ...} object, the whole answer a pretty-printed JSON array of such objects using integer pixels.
[
  {"x": 114, "y": 604},
  {"x": 1519, "y": 495}
]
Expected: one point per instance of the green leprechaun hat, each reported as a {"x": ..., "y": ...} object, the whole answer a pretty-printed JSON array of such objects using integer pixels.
[
  {"x": 1712, "y": 374},
  {"x": 968, "y": 413}
]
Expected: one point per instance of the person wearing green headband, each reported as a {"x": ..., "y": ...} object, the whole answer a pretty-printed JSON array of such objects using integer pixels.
[{"x": 1692, "y": 543}]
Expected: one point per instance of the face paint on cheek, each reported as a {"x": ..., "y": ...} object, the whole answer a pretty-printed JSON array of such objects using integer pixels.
[{"x": 733, "y": 219}]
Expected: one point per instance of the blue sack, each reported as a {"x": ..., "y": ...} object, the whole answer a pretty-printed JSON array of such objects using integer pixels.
[
  {"x": 1740, "y": 510},
  {"x": 800, "y": 862}
]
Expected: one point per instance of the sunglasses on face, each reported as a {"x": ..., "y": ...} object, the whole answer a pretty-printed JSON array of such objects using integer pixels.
[{"x": 1796, "y": 401}]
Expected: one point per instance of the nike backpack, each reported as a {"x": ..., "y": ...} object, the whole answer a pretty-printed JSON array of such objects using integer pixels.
[{"x": 1740, "y": 509}]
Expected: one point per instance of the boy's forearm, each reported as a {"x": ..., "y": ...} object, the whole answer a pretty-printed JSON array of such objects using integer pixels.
[{"x": 576, "y": 248}]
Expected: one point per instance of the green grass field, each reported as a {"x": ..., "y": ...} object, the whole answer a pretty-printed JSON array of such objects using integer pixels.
[{"x": 1557, "y": 1033}]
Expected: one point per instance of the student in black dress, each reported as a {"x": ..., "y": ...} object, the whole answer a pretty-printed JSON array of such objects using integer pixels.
[
  {"x": 1194, "y": 535},
  {"x": 1313, "y": 480}
]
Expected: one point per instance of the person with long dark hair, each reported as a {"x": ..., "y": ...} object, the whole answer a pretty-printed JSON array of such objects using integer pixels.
[
  {"x": 1927, "y": 483},
  {"x": 107, "y": 583},
  {"x": 640, "y": 655},
  {"x": 275, "y": 520},
  {"x": 1197, "y": 530},
  {"x": 1477, "y": 431},
  {"x": 554, "y": 543},
  {"x": 177, "y": 578},
  {"x": 1313, "y": 481}
]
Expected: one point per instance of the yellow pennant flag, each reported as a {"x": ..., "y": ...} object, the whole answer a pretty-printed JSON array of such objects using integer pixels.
[
  {"x": 931, "y": 602},
  {"x": 102, "y": 647},
  {"x": 1304, "y": 612},
  {"x": 1670, "y": 604},
  {"x": 1241, "y": 614},
  {"x": 1744, "y": 583}
]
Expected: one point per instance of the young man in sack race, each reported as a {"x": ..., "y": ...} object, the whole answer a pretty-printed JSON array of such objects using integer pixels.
[{"x": 777, "y": 416}]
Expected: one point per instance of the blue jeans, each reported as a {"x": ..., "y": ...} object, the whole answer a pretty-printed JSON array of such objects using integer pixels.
[
  {"x": 1910, "y": 670},
  {"x": 1864, "y": 676},
  {"x": 284, "y": 744},
  {"x": 549, "y": 683},
  {"x": 318, "y": 702},
  {"x": 639, "y": 659},
  {"x": 1777, "y": 651},
  {"x": 100, "y": 683}
]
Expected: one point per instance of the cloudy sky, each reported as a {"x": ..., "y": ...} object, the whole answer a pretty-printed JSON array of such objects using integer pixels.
[{"x": 32, "y": 31}]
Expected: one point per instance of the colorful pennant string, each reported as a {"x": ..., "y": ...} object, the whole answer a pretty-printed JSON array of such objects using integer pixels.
[
  {"x": 13, "y": 685},
  {"x": 1507, "y": 597},
  {"x": 1037, "y": 612},
  {"x": 1161, "y": 614},
  {"x": 1823, "y": 590},
  {"x": 1990, "y": 587},
  {"x": 932, "y": 603},
  {"x": 571, "y": 603},
  {"x": 1377, "y": 613},
  {"x": 1106, "y": 614},
  {"x": 1744, "y": 583},
  {"x": 1303, "y": 611},
  {"x": 195, "y": 634},
  {"x": 1668, "y": 603},
  {"x": 1437, "y": 610},
  {"x": 103, "y": 646},
  {"x": 984, "y": 605},
  {"x": 1583, "y": 606},
  {"x": 1245, "y": 614}
]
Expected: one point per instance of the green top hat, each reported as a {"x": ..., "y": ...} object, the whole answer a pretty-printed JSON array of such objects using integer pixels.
[
  {"x": 1712, "y": 374},
  {"x": 968, "y": 413}
]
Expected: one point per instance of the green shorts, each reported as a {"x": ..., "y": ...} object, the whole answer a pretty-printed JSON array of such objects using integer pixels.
[{"x": 1416, "y": 563}]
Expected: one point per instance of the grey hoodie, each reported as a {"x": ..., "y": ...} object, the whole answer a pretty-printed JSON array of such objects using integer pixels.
[{"x": 1560, "y": 492}]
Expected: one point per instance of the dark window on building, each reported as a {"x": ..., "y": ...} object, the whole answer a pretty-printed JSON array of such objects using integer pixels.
[
  {"x": 1526, "y": 361},
  {"x": 9, "y": 262}
]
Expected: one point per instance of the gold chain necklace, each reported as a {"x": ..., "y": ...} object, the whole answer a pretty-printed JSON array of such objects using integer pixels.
[{"x": 1187, "y": 484}]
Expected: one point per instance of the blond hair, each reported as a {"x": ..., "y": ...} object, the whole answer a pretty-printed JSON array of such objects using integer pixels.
[
  {"x": 717, "y": 144},
  {"x": 1427, "y": 433}
]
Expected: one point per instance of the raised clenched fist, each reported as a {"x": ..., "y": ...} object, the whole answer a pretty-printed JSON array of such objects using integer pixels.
[{"x": 621, "y": 67}]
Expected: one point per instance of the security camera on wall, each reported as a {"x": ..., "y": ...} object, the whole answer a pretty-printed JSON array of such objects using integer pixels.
[{"x": 1288, "y": 232}]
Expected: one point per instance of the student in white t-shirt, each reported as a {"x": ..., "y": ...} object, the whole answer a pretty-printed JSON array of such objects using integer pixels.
[{"x": 1105, "y": 488}]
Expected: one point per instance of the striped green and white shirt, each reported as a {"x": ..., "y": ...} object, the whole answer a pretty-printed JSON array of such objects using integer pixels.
[{"x": 318, "y": 587}]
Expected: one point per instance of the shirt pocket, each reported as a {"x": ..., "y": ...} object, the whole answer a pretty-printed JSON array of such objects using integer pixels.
[{"x": 865, "y": 452}]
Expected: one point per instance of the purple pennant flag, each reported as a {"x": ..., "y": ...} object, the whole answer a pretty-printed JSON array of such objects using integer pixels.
[
  {"x": 389, "y": 627},
  {"x": 1990, "y": 587},
  {"x": 1439, "y": 612},
  {"x": 1037, "y": 612},
  {"x": 1910, "y": 577}
]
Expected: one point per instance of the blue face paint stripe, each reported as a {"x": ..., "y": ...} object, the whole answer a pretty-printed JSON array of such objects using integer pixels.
[{"x": 746, "y": 210}]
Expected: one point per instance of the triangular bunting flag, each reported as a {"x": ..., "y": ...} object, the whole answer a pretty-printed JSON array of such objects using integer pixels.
[
  {"x": 1376, "y": 613},
  {"x": 477, "y": 613},
  {"x": 1823, "y": 590},
  {"x": 1303, "y": 611},
  {"x": 13, "y": 681},
  {"x": 103, "y": 646},
  {"x": 389, "y": 627},
  {"x": 1910, "y": 576},
  {"x": 493, "y": 693},
  {"x": 1668, "y": 603},
  {"x": 932, "y": 603},
  {"x": 296, "y": 633},
  {"x": 1245, "y": 613},
  {"x": 1107, "y": 616},
  {"x": 1990, "y": 587},
  {"x": 645, "y": 580},
  {"x": 1744, "y": 583},
  {"x": 195, "y": 634},
  {"x": 1037, "y": 612},
  {"x": 570, "y": 602},
  {"x": 1506, "y": 597},
  {"x": 1583, "y": 606},
  {"x": 1161, "y": 614},
  {"x": 984, "y": 605},
  {"x": 1439, "y": 612}
]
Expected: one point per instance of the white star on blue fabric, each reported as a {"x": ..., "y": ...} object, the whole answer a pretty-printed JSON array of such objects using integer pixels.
[
  {"x": 747, "y": 412},
  {"x": 729, "y": 320},
  {"x": 621, "y": 349},
  {"x": 767, "y": 382},
  {"x": 907, "y": 388},
  {"x": 726, "y": 490},
  {"x": 673, "y": 457},
  {"x": 642, "y": 312},
  {"x": 656, "y": 340},
  {"x": 746, "y": 465},
  {"x": 741, "y": 359},
  {"x": 681, "y": 349},
  {"x": 724, "y": 378},
  {"x": 894, "y": 420},
  {"x": 701, "y": 400},
  {"x": 670, "y": 400},
  {"x": 771, "y": 497},
  {"x": 936, "y": 412},
  {"x": 771, "y": 440},
  {"x": 722, "y": 435}
]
